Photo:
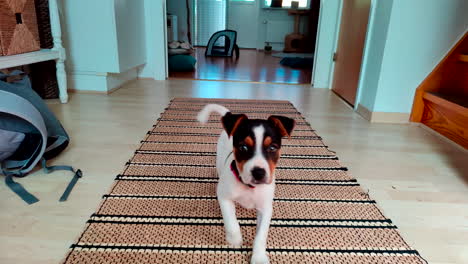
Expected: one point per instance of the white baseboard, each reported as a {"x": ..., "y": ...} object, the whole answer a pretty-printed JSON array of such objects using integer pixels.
[
  {"x": 99, "y": 82},
  {"x": 383, "y": 117},
  {"x": 364, "y": 112},
  {"x": 115, "y": 81}
]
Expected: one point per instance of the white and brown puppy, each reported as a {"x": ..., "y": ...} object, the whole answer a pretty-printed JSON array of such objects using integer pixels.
[{"x": 247, "y": 153}]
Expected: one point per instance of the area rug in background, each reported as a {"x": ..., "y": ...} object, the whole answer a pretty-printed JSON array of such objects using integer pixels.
[
  {"x": 292, "y": 55},
  {"x": 162, "y": 208},
  {"x": 297, "y": 62}
]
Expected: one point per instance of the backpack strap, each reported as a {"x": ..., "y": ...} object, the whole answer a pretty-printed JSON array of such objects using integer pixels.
[
  {"x": 77, "y": 175},
  {"x": 6, "y": 168},
  {"x": 20, "y": 190}
]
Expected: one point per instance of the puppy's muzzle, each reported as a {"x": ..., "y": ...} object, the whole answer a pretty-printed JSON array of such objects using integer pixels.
[{"x": 259, "y": 175}]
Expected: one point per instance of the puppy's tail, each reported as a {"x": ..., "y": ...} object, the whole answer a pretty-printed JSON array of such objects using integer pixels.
[{"x": 205, "y": 113}]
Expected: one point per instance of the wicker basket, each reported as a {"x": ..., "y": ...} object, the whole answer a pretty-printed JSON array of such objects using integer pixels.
[
  {"x": 18, "y": 27},
  {"x": 43, "y": 24}
]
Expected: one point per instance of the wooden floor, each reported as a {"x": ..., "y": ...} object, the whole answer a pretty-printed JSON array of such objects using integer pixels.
[
  {"x": 252, "y": 66},
  {"x": 418, "y": 179}
]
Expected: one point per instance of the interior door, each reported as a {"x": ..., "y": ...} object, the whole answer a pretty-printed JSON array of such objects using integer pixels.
[
  {"x": 350, "y": 48},
  {"x": 243, "y": 18}
]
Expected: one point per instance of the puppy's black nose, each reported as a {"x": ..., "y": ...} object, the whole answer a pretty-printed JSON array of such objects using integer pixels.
[{"x": 258, "y": 173}]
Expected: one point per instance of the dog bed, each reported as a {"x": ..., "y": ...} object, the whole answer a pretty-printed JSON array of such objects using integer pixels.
[
  {"x": 181, "y": 63},
  {"x": 297, "y": 62}
]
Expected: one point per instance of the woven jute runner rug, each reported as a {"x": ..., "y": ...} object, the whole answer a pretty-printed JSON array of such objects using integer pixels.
[{"x": 162, "y": 208}]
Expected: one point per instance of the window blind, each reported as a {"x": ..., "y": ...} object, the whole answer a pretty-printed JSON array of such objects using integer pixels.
[{"x": 209, "y": 16}]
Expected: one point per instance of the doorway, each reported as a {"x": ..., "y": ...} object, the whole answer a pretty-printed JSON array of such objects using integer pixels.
[
  {"x": 258, "y": 28},
  {"x": 350, "y": 48}
]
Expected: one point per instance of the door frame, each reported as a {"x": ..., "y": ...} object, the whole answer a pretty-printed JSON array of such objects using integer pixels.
[
  {"x": 365, "y": 55},
  {"x": 259, "y": 5},
  {"x": 342, "y": 94},
  {"x": 322, "y": 40},
  {"x": 333, "y": 34}
]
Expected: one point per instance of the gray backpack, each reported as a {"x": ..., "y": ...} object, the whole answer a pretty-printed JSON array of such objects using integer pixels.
[{"x": 29, "y": 134}]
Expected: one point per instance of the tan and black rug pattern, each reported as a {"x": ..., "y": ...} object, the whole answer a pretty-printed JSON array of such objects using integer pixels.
[{"x": 162, "y": 208}]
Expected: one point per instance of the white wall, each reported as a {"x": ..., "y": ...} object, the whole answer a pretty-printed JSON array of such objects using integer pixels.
[
  {"x": 104, "y": 41},
  {"x": 379, "y": 21},
  {"x": 86, "y": 22},
  {"x": 265, "y": 15},
  {"x": 104, "y": 36},
  {"x": 130, "y": 25},
  {"x": 420, "y": 34},
  {"x": 243, "y": 18},
  {"x": 326, "y": 43},
  {"x": 156, "y": 47},
  {"x": 178, "y": 8}
]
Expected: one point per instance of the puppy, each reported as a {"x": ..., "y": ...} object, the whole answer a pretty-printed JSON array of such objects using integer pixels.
[{"x": 247, "y": 153}]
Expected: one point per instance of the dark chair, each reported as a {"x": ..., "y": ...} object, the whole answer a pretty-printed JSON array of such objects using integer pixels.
[{"x": 230, "y": 37}]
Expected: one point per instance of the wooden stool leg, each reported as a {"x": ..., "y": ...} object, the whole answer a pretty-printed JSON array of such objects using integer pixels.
[
  {"x": 62, "y": 80},
  {"x": 57, "y": 35}
]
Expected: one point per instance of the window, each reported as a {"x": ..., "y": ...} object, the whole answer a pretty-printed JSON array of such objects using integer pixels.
[{"x": 287, "y": 3}]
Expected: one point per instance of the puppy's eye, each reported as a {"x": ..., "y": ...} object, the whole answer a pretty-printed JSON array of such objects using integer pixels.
[
  {"x": 272, "y": 148},
  {"x": 243, "y": 148}
]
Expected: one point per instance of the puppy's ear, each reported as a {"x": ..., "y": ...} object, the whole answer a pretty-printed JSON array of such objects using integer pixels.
[
  {"x": 285, "y": 125},
  {"x": 232, "y": 121}
]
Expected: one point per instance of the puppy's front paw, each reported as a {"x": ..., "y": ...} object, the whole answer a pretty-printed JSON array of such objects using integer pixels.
[
  {"x": 259, "y": 258},
  {"x": 234, "y": 238}
]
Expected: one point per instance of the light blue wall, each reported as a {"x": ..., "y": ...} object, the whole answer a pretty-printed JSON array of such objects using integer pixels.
[
  {"x": 88, "y": 41},
  {"x": 265, "y": 15},
  {"x": 156, "y": 46},
  {"x": 420, "y": 34},
  {"x": 179, "y": 8},
  {"x": 104, "y": 36},
  {"x": 104, "y": 41},
  {"x": 374, "y": 51},
  {"x": 326, "y": 43},
  {"x": 130, "y": 25}
]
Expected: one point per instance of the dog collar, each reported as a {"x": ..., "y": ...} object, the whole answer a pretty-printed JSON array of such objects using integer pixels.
[{"x": 235, "y": 171}]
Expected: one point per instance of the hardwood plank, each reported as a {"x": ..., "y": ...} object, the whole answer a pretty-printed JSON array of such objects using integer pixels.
[
  {"x": 252, "y": 66},
  {"x": 418, "y": 179},
  {"x": 447, "y": 118}
]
